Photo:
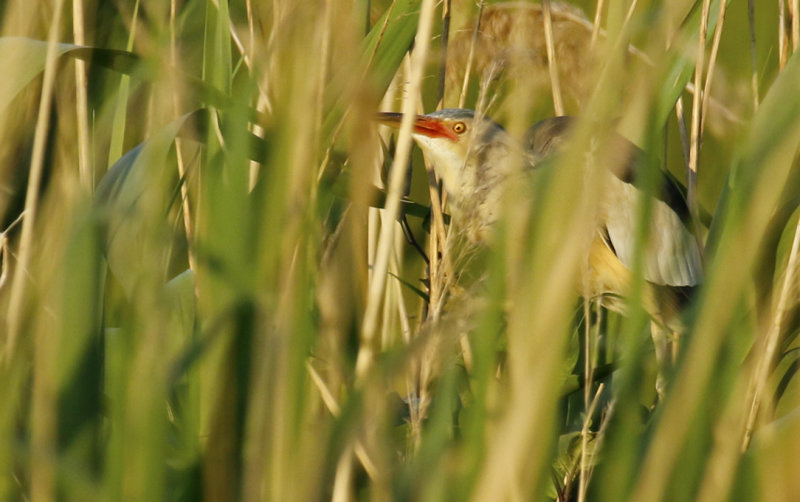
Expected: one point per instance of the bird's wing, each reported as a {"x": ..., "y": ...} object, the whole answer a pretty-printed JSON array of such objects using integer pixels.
[
  {"x": 623, "y": 158},
  {"x": 672, "y": 255},
  {"x": 545, "y": 137}
]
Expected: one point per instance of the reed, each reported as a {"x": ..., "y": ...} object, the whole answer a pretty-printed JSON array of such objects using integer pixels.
[{"x": 208, "y": 291}]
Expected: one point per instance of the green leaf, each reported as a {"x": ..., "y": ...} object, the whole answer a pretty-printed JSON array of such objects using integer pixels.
[
  {"x": 384, "y": 48},
  {"x": 131, "y": 195},
  {"x": 682, "y": 68},
  {"x": 180, "y": 293},
  {"x": 410, "y": 286},
  {"x": 28, "y": 56},
  {"x": 767, "y": 152},
  {"x": 785, "y": 246}
]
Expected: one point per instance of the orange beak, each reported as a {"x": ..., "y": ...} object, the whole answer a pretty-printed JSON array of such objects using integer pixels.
[{"x": 423, "y": 124}]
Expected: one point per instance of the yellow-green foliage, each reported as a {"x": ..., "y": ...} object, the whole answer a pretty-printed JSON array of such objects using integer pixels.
[{"x": 206, "y": 292}]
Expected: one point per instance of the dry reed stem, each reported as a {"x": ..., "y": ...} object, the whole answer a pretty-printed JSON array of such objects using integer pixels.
[
  {"x": 121, "y": 105},
  {"x": 324, "y": 392},
  {"x": 364, "y": 74},
  {"x": 696, "y": 372},
  {"x": 402, "y": 309},
  {"x": 44, "y": 419},
  {"x": 389, "y": 312},
  {"x": 684, "y": 133},
  {"x": 626, "y": 22},
  {"x": 438, "y": 236},
  {"x": 471, "y": 57},
  {"x": 439, "y": 270},
  {"x": 243, "y": 51},
  {"x": 578, "y": 467},
  {"x": 721, "y": 463},
  {"x": 85, "y": 170},
  {"x": 552, "y": 64},
  {"x": 598, "y": 14},
  {"x": 697, "y": 100},
  {"x": 783, "y": 40},
  {"x": 795, "y": 12},
  {"x": 5, "y": 251},
  {"x": 343, "y": 479},
  {"x": 399, "y": 166},
  {"x": 25, "y": 254},
  {"x": 733, "y": 434},
  {"x": 712, "y": 63},
  {"x": 589, "y": 360},
  {"x": 441, "y": 267},
  {"x": 583, "y": 480},
  {"x": 601, "y": 432},
  {"x": 443, "y": 55},
  {"x": 262, "y": 103},
  {"x": 324, "y": 51},
  {"x": 771, "y": 343},
  {"x": 186, "y": 210},
  {"x": 665, "y": 446},
  {"x": 753, "y": 62},
  {"x": 335, "y": 410},
  {"x": 251, "y": 32}
]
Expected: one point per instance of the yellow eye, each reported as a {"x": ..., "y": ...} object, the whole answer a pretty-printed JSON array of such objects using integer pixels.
[{"x": 459, "y": 127}]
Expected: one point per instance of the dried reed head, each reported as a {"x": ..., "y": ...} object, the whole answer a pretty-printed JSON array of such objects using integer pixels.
[{"x": 510, "y": 45}]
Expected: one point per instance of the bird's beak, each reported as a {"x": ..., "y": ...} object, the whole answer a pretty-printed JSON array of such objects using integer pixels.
[{"x": 423, "y": 124}]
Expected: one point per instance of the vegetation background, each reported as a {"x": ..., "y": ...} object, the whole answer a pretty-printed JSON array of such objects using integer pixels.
[{"x": 207, "y": 293}]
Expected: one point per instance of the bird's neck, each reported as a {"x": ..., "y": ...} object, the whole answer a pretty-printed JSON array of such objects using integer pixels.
[{"x": 476, "y": 191}]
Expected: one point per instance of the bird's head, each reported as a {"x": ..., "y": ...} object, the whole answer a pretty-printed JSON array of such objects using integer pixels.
[{"x": 448, "y": 138}]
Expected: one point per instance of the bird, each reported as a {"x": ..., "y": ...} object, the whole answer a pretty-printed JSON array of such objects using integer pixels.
[{"x": 475, "y": 158}]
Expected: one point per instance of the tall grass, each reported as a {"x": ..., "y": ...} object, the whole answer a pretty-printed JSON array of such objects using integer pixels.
[{"x": 208, "y": 291}]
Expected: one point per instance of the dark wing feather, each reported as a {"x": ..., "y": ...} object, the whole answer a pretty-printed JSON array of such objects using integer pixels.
[
  {"x": 545, "y": 137},
  {"x": 672, "y": 255}
]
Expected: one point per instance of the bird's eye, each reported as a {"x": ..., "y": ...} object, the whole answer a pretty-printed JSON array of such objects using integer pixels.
[{"x": 459, "y": 127}]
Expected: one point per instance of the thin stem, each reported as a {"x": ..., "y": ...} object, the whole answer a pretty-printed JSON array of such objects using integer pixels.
[
  {"x": 19, "y": 283},
  {"x": 587, "y": 331},
  {"x": 343, "y": 479},
  {"x": 552, "y": 65},
  {"x": 186, "y": 210},
  {"x": 629, "y": 14},
  {"x": 598, "y": 13},
  {"x": 783, "y": 40},
  {"x": 251, "y": 32},
  {"x": 753, "y": 63},
  {"x": 712, "y": 62},
  {"x": 471, "y": 58},
  {"x": 696, "y": 133},
  {"x": 121, "y": 105},
  {"x": 397, "y": 178},
  {"x": 85, "y": 171},
  {"x": 443, "y": 60},
  {"x": 245, "y": 53},
  {"x": 771, "y": 343},
  {"x": 583, "y": 480},
  {"x": 684, "y": 132},
  {"x": 335, "y": 409},
  {"x": 5, "y": 252},
  {"x": 795, "y": 12}
]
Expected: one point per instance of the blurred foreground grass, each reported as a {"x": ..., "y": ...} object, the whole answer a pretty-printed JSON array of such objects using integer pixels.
[{"x": 201, "y": 298}]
